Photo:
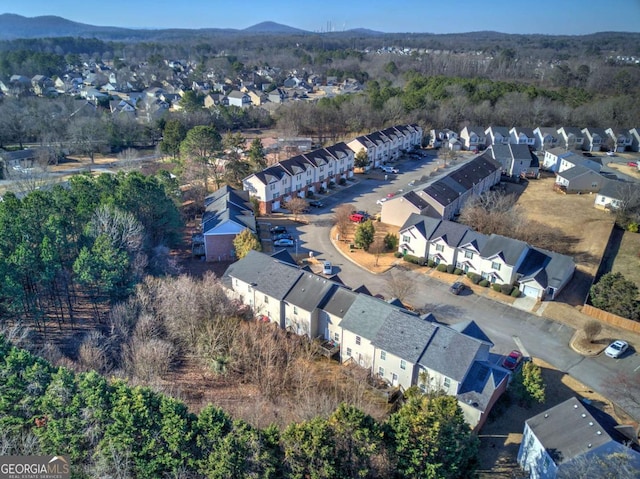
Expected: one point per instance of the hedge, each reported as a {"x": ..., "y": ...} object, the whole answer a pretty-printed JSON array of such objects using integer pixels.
[
  {"x": 495, "y": 287},
  {"x": 484, "y": 283},
  {"x": 458, "y": 271},
  {"x": 442, "y": 268},
  {"x": 431, "y": 263},
  {"x": 515, "y": 293},
  {"x": 450, "y": 268},
  {"x": 397, "y": 254},
  {"x": 411, "y": 259},
  {"x": 475, "y": 278},
  {"x": 506, "y": 289}
]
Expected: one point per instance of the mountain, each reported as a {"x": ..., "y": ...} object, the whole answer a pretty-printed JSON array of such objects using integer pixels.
[
  {"x": 16, "y": 26},
  {"x": 273, "y": 27}
]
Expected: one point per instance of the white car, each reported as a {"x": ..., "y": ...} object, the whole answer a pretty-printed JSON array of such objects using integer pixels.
[
  {"x": 389, "y": 169},
  {"x": 327, "y": 268},
  {"x": 616, "y": 349},
  {"x": 610, "y": 153},
  {"x": 381, "y": 200},
  {"x": 283, "y": 242}
]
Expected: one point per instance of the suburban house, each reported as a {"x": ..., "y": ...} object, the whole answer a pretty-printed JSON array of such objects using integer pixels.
[
  {"x": 438, "y": 138},
  {"x": 553, "y": 157},
  {"x": 546, "y": 138},
  {"x": 400, "y": 347},
  {"x": 227, "y": 213},
  {"x": 239, "y": 99},
  {"x": 516, "y": 160},
  {"x": 473, "y": 138},
  {"x": 571, "y": 439},
  {"x": 363, "y": 143},
  {"x": 611, "y": 195},
  {"x": 444, "y": 197},
  {"x": 579, "y": 179},
  {"x": 522, "y": 136},
  {"x": 277, "y": 96},
  {"x": 595, "y": 139},
  {"x": 299, "y": 175},
  {"x": 621, "y": 138},
  {"x": 569, "y": 161},
  {"x": 571, "y": 138},
  {"x": 537, "y": 273},
  {"x": 19, "y": 160},
  {"x": 635, "y": 139},
  {"x": 497, "y": 135}
]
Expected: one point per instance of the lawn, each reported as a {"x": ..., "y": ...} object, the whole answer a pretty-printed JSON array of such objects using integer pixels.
[{"x": 627, "y": 260}]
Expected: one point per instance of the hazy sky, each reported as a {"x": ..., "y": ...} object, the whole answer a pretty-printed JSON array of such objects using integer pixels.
[{"x": 571, "y": 17}]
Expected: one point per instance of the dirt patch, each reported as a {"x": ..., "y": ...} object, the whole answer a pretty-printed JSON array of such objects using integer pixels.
[
  {"x": 375, "y": 263},
  {"x": 627, "y": 260},
  {"x": 501, "y": 436}
]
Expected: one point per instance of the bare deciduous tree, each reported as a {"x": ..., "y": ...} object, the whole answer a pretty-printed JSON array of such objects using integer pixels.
[
  {"x": 401, "y": 285},
  {"x": 591, "y": 329},
  {"x": 297, "y": 206},
  {"x": 341, "y": 219},
  {"x": 377, "y": 248}
]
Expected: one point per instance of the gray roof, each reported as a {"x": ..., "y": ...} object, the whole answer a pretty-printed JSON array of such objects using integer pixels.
[
  {"x": 228, "y": 204},
  {"x": 450, "y": 353},
  {"x": 611, "y": 189},
  {"x": 404, "y": 335},
  {"x": 270, "y": 174},
  {"x": 270, "y": 277},
  {"x": 503, "y": 130},
  {"x": 339, "y": 301},
  {"x": 568, "y": 430},
  {"x": 470, "y": 328},
  {"x": 366, "y": 316},
  {"x": 309, "y": 291},
  {"x": 480, "y": 384},
  {"x": 559, "y": 151},
  {"x": 572, "y": 130},
  {"x": 576, "y": 171},
  {"x": 526, "y": 130},
  {"x": 508, "y": 249}
]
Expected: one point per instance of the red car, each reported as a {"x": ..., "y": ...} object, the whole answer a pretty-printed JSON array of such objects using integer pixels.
[
  {"x": 512, "y": 360},
  {"x": 632, "y": 164},
  {"x": 357, "y": 218}
]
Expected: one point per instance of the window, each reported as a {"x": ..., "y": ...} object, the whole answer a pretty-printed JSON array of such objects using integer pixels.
[
  {"x": 236, "y": 281},
  {"x": 406, "y": 238},
  {"x": 495, "y": 265},
  {"x": 439, "y": 248},
  {"x": 295, "y": 310},
  {"x": 249, "y": 288},
  {"x": 336, "y": 337},
  {"x": 447, "y": 383},
  {"x": 358, "y": 339},
  {"x": 403, "y": 364},
  {"x": 272, "y": 186},
  {"x": 594, "y": 185},
  {"x": 266, "y": 299},
  {"x": 298, "y": 177},
  {"x": 383, "y": 355},
  {"x": 380, "y": 371},
  {"x": 468, "y": 254},
  {"x": 349, "y": 352},
  {"x": 308, "y": 182}
]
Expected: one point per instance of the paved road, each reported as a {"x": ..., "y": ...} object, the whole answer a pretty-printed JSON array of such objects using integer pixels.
[{"x": 508, "y": 327}]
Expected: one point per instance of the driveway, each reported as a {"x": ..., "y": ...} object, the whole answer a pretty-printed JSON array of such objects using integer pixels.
[{"x": 508, "y": 327}]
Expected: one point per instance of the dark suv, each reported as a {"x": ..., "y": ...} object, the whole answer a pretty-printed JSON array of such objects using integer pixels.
[{"x": 276, "y": 230}]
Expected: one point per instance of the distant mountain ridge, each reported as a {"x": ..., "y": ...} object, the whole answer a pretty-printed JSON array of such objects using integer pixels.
[{"x": 14, "y": 26}]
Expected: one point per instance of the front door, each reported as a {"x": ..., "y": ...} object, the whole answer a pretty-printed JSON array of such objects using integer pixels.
[{"x": 394, "y": 379}]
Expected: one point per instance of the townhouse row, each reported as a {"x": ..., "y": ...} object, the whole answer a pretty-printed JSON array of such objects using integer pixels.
[
  {"x": 537, "y": 273},
  {"x": 399, "y": 346},
  {"x": 541, "y": 138},
  {"x": 314, "y": 171}
]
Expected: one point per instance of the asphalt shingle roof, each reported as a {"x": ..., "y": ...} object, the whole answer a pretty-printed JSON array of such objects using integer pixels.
[
  {"x": 509, "y": 249},
  {"x": 366, "y": 316},
  {"x": 404, "y": 335},
  {"x": 309, "y": 291},
  {"x": 480, "y": 384}
]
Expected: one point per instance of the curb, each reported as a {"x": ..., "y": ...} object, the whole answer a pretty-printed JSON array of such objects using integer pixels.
[{"x": 572, "y": 345}]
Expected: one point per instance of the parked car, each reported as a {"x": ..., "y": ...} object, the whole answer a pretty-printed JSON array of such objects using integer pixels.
[
  {"x": 633, "y": 164},
  {"x": 277, "y": 230},
  {"x": 327, "y": 268},
  {"x": 512, "y": 360},
  {"x": 587, "y": 154},
  {"x": 316, "y": 204},
  {"x": 389, "y": 169},
  {"x": 610, "y": 153},
  {"x": 390, "y": 195},
  {"x": 282, "y": 236},
  {"x": 616, "y": 348},
  {"x": 381, "y": 200},
  {"x": 457, "y": 288},
  {"x": 357, "y": 217},
  {"x": 283, "y": 242}
]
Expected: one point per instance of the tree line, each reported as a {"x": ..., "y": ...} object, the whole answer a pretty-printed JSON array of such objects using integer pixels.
[
  {"x": 113, "y": 428},
  {"x": 96, "y": 237}
]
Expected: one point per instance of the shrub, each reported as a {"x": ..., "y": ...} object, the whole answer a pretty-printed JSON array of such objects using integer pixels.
[
  {"x": 411, "y": 259},
  {"x": 391, "y": 241},
  {"x": 431, "y": 263},
  {"x": 450, "y": 268},
  {"x": 442, "y": 267},
  {"x": 633, "y": 227},
  {"x": 506, "y": 289},
  {"x": 495, "y": 287},
  {"x": 342, "y": 181},
  {"x": 470, "y": 274},
  {"x": 309, "y": 194},
  {"x": 475, "y": 278},
  {"x": 484, "y": 283},
  {"x": 515, "y": 293},
  {"x": 397, "y": 254},
  {"x": 321, "y": 190},
  {"x": 457, "y": 272}
]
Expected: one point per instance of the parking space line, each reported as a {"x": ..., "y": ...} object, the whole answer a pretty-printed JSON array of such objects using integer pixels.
[{"x": 523, "y": 350}]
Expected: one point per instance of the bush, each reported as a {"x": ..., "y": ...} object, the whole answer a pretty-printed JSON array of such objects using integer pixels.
[
  {"x": 484, "y": 283},
  {"x": 633, "y": 227},
  {"x": 515, "y": 293},
  {"x": 342, "y": 181},
  {"x": 391, "y": 241},
  {"x": 470, "y": 274},
  {"x": 506, "y": 289},
  {"x": 442, "y": 268},
  {"x": 431, "y": 263},
  {"x": 457, "y": 272},
  {"x": 397, "y": 254},
  {"x": 321, "y": 190},
  {"x": 412, "y": 259},
  {"x": 475, "y": 278},
  {"x": 309, "y": 194},
  {"x": 495, "y": 287},
  {"x": 450, "y": 268}
]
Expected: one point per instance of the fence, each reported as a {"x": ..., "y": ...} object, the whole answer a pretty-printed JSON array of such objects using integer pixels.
[{"x": 612, "y": 319}]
